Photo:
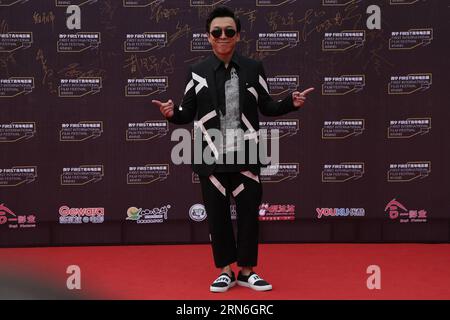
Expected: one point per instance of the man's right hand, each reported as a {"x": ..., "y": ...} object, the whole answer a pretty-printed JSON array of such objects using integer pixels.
[{"x": 166, "y": 108}]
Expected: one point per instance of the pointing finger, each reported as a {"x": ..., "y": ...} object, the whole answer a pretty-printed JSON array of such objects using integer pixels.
[
  {"x": 157, "y": 103},
  {"x": 304, "y": 93}
]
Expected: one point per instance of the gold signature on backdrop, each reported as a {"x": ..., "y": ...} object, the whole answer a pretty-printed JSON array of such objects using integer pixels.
[
  {"x": 250, "y": 15},
  {"x": 75, "y": 70},
  {"x": 47, "y": 72},
  {"x": 44, "y": 18},
  {"x": 107, "y": 10},
  {"x": 156, "y": 65},
  {"x": 158, "y": 12},
  {"x": 3, "y": 26},
  {"x": 182, "y": 30}
]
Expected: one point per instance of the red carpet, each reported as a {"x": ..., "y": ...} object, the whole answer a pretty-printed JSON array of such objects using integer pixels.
[{"x": 297, "y": 271}]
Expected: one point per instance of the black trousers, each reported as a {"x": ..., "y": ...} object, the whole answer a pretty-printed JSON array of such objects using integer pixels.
[{"x": 246, "y": 189}]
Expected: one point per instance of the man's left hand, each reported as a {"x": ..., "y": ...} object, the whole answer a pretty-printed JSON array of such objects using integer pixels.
[{"x": 299, "y": 98}]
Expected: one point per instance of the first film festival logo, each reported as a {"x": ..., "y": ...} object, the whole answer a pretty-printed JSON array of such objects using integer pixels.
[
  {"x": 17, "y": 131},
  {"x": 16, "y": 176},
  {"x": 343, "y": 41},
  {"x": 342, "y": 129},
  {"x": 147, "y": 130},
  {"x": 410, "y": 171},
  {"x": 147, "y": 174},
  {"x": 343, "y": 172},
  {"x": 342, "y": 85},
  {"x": 82, "y": 175},
  {"x": 81, "y": 131},
  {"x": 14, "y": 87},
  {"x": 408, "y": 128}
]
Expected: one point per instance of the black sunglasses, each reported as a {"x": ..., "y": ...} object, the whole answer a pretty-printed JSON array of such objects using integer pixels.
[{"x": 217, "y": 32}]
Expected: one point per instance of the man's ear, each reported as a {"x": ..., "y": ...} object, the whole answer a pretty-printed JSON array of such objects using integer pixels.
[{"x": 238, "y": 37}]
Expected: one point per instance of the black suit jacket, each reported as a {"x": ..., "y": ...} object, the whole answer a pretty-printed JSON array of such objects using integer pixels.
[{"x": 200, "y": 103}]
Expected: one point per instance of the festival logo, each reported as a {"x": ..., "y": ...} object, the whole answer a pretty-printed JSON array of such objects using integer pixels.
[
  {"x": 17, "y": 131},
  {"x": 147, "y": 174}
]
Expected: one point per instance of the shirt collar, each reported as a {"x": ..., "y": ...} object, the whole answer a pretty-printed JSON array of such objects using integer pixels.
[{"x": 234, "y": 60}]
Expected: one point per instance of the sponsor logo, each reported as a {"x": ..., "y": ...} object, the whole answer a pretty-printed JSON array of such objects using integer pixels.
[
  {"x": 396, "y": 210},
  {"x": 276, "y": 212},
  {"x": 144, "y": 216},
  {"x": 16, "y": 221},
  {"x": 197, "y": 212},
  {"x": 340, "y": 212},
  {"x": 69, "y": 215}
]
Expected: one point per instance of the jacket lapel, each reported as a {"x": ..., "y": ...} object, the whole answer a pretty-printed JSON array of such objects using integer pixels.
[
  {"x": 242, "y": 87},
  {"x": 211, "y": 80}
]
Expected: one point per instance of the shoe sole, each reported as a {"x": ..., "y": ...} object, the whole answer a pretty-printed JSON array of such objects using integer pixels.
[
  {"x": 222, "y": 289},
  {"x": 257, "y": 288}
]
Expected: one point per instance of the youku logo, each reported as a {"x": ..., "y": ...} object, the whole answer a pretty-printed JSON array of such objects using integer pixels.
[
  {"x": 397, "y": 210},
  {"x": 340, "y": 212},
  {"x": 155, "y": 215}
]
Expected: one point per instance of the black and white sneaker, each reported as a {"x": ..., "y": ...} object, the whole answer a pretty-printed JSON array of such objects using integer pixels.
[
  {"x": 223, "y": 282},
  {"x": 253, "y": 281}
]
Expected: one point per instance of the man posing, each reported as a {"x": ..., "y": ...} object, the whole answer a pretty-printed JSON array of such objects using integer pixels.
[{"x": 224, "y": 92}]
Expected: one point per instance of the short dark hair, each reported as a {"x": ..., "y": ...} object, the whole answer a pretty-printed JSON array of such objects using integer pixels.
[{"x": 220, "y": 12}]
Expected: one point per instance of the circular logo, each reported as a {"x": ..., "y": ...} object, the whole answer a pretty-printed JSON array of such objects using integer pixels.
[
  {"x": 263, "y": 209},
  {"x": 133, "y": 213},
  {"x": 197, "y": 212}
]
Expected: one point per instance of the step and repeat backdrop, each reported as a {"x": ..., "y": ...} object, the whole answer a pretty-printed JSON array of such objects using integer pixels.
[{"x": 85, "y": 156}]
